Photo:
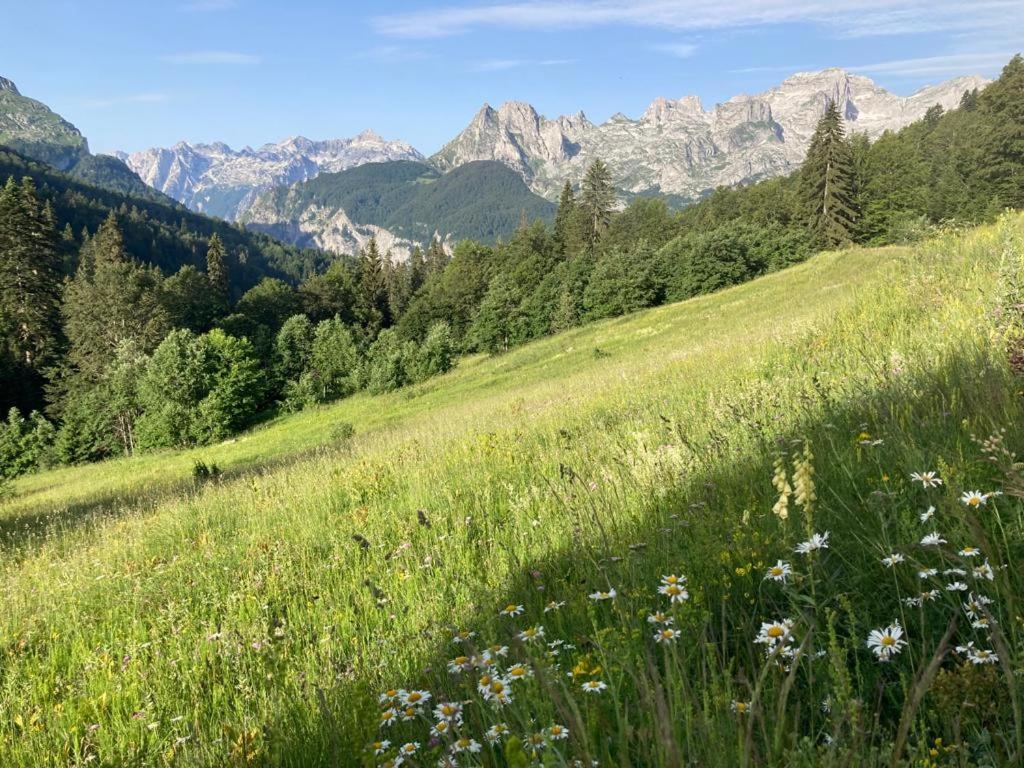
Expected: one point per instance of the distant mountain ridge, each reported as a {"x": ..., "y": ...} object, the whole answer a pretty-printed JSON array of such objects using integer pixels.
[
  {"x": 32, "y": 129},
  {"x": 220, "y": 181},
  {"x": 401, "y": 204},
  {"x": 677, "y": 147}
]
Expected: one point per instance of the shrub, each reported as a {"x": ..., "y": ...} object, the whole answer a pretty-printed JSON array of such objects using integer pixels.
[{"x": 436, "y": 355}]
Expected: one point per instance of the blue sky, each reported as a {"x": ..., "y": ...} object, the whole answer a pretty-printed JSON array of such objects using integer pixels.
[{"x": 140, "y": 73}]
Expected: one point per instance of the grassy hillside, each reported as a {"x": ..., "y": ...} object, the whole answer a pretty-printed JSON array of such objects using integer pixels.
[{"x": 254, "y": 620}]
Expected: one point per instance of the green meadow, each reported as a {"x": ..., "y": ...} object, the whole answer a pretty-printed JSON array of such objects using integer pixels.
[{"x": 153, "y": 617}]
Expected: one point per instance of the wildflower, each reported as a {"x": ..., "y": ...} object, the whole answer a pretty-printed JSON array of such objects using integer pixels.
[
  {"x": 816, "y": 542},
  {"x": 977, "y": 656},
  {"x": 388, "y": 717},
  {"x": 803, "y": 478},
  {"x": 781, "y": 483},
  {"x": 594, "y": 686},
  {"x": 740, "y": 707},
  {"x": 389, "y": 696},
  {"x": 887, "y": 642},
  {"x": 933, "y": 539},
  {"x": 518, "y": 672},
  {"x": 558, "y": 733},
  {"x": 927, "y": 515},
  {"x": 981, "y": 623},
  {"x": 448, "y": 711},
  {"x": 660, "y": 618},
  {"x": 496, "y": 732},
  {"x": 913, "y": 602},
  {"x": 675, "y": 593},
  {"x": 673, "y": 579},
  {"x": 956, "y": 586},
  {"x": 954, "y": 572},
  {"x": 779, "y": 572},
  {"x": 498, "y": 691},
  {"x": 511, "y": 610},
  {"x": 927, "y": 479},
  {"x": 380, "y": 747},
  {"x": 531, "y": 633},
  {"x": 927, "y": 573},
  {"x": 599, "y": 595},
  {"x": 416, "y": 698},
  {"x": 930, "y": 596},
  {"x": 970, "y": 552},
  {"x": 462, "y": 636},
  {"x": 975, "y": 605},
  {"x": 495, "y": 652},
  {"x": 537, "y": 740},
  {"x": 458, "y": 664},
  {"x": 984, "y": 571},
  {"x": 775, "y": 633},
  {"x": 666, "y": 635},
  {"x": 974, "y": 499},
  {"x": 826, "y": 705},
  {"x": 409, "y": 748},
  {"x": 409, "y": 713},
  {"x": 893, "y": 559},
  {"x": 465, "y": 745},
  {"x": 553, "y": 606},
  {"x": 441, "y": 728}
]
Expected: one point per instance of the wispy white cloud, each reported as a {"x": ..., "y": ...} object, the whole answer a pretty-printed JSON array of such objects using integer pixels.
[
  {"x": 135, "y": 98},
  {"x": 949, "y": 64},
  {"x": 850, "y": 18},
  {"x": 207, "y": 6},
  {"x": 678, "y": 50},
  {"x": 393, "y": 54},
  {"x": 954, "y": 64},
  {"x": 499, "y": 65},
  {"x": 211, "y": 57}
]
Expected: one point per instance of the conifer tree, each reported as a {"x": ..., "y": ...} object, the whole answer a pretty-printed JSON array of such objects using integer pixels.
[
  {"x": 567, "y": 223},
  {"x": 827, "y": 181},
  {"x": 597, "y": 202},
  {"x": 373, "y": 309},
  {"x": 29, "y": 276},
  {"x": 1004, "y": 155},
  {"x": 217, "y": 270}
]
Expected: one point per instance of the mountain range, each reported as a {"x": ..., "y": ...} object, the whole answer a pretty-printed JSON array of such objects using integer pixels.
[
  {"x": 678, "y": 148},
  {"x": 337, "y": 193},
  {"x": 220, "y": 181}
]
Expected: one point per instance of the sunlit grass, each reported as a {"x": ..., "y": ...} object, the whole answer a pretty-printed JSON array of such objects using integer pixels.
[{"x": 153, "y": 620}]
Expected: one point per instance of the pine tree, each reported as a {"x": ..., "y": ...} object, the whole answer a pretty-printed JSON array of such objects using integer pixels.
[
  {"x": 1004, "y": 150},
  {"x": 372, "y": 307},
  {"x": 29, "y": 276},
  {"x": 567, "y": 223},
  {"x": 217, "y": 270},
  {"x": 826, "y": 182},
  {"x": 597, "y": 202}
]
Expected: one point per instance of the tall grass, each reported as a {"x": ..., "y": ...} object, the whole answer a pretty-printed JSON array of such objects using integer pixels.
[{"x": 256, "y": 618}]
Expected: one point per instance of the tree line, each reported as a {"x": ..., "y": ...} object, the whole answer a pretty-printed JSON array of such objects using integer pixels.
[{"x": 121, "y": 358}]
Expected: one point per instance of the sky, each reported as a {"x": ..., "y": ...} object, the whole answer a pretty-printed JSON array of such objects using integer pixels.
[{"x": 132, "y": 74}]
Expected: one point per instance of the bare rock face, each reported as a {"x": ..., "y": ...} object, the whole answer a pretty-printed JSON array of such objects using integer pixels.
[
  {"x": 215, "y": 179},
  {"x": 677, "y": 147}
]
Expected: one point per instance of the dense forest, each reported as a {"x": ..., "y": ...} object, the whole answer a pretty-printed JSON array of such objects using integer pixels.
[{"x": 125, "y": 327}]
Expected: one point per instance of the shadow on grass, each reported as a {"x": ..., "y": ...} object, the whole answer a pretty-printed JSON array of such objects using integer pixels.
[{"x": 696, "y": 529}]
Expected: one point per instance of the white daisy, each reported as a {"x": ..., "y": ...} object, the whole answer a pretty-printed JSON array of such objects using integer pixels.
[
  {"x": 775, "y": 633},
  {"x": 554, "y": 605},
  {"x": 739, "y": 707},
  {"x": 448, "y": 711},
  {"x": 970, "y": 552},
  {"x": 599, "y": 595},
  {"x": 893, "y": 559},
  {"x": 558, "y": 733},
  {"x": 462, "y": 636},
  {"x": 660, "y": 618},
  {"x": 496, "y": 732},
  {"x": 666, "y": 635},
  {"x": 511, "y": 610},
  {"x": 956, "y": 586},
  {"x": 409, "y": 748},
  {"x": 531, "y": 633},
  {"x": 465, "y": 744},
  {"x": 887, "y": 642},
  {"x": 594, "y": 686},
  {"x": 676, "y": 593},
  {"x": 781, "y": 571},
  {"x": 974, "y": 498},
  {"x": 927, "y": 515},
  {"x": 927, "y": 479},
  {"x": 933, "y": 539},
  {"x": 974, "y": 606},
  {"x": 816, "y": 542},
  {"x": 954, "y": 572},
  {"x": 927, "y": 573},
  {"x": 380, "y": 747},
  {"x": 984, "y": 571}
]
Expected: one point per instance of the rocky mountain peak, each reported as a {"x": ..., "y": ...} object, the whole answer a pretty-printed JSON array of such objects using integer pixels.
[
  {"x": 663, "y": 110},
  {"x": 8, "y": 85}
]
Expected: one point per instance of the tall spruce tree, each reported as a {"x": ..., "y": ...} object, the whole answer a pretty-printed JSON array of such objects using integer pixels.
[
  {"x": 597, "y": 202},
  {"x": 217, "y": 270},
  {"x": 567, "y": 222},
  {"x": 1004, "y": 151},
  {"x": 827, "y": 182},
  {"x": 372, "y": 306}
]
